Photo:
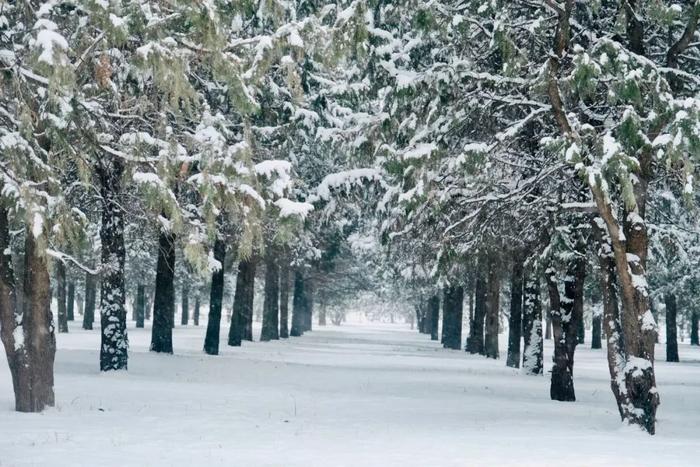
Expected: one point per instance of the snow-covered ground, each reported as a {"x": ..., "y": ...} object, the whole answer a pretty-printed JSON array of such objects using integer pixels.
[{"x": 356, "y": 395}]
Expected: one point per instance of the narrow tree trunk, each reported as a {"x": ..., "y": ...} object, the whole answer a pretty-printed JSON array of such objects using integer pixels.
[
  {"x": 242, "y": 316},
  {"x": 694, "y": 328},
  {"x": 284, "y": 300},
  {"x": 195, "y": 313},
  {"x": 453, "y": 298},
  {"x": 671, "y": 328},
  {"x": 516, "y": 312},
  {"x": 308, "y": 304},
  {"x": 27, "y": 332},
  {"x": 270, "y": 324},
  {"x": 90, "y": 298},
  {"x": 140, "y": 305},
  {"x": 532, "y": 327},
  {"x": 492, "y": 311},
  {"x": 70, "y": 302},
  {"x": 216, "y": 300},
  {"x": 434, "y": 310},
  {"x": 322, "y": 315},
  {"x": 164, "y": 300},
  {"x": 298, "y": 305},
  {"x": 185, "y": 316},
  {"x": 61, "y": 296},
  {"x": 548, "y": 326},
  {"x": 596, "y": 332},
  {"x": 115, "y": 342},
  {"x": 476, "y": 332}
]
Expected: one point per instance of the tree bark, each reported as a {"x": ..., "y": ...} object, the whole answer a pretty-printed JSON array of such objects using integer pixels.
[
  {"x": 90, "y": 298},
  {"x": 453, "y": 298},
  {"x": 671, "y": 328},
  {"x": 242, "y": 316},
  {"x": 284, "y": 299},
  {"x": 26, "y": 329},
  {"x": 694, "y": 328},
  {"x": 548, "y": 326},
  {"x": 308, "y": 304},
  {"x": 216, "y": 300},
  {"x": 596, "y": 332},
  {"x": 164, "y": 300},
  {"x": 61, "y": 296},
  {"x": 492, "y": 311},
  {"x": 434, "y": 310},
  {"x": 581, "y": 331},
  {"x": 195, "y": 313},
  {"x": 115, "y": 342},
  {"x": 475, "y": 343},
  {"x": 298, "y": 305},
  {"x": 532, "y": 327},
  {"x": 140, "y": 305},
  {"x": 270, "y": 324},
  {"x": 70, "y": 302},
  {"x": 516, "y": 312},
  {"x": 185, "y": 316}
]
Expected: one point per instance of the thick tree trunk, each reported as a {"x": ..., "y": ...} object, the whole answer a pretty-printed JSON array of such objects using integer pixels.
[
  {"x": 216, "y": 300},
  {"x": 694, "y": 328},
  {"x": 90, "y": 299},
  {"x": 596, "y": 332},
  {"x": 270, "y": 324},
  {"x": 298, "y": 305},
  {"x": 70, "y": 302},
  {"x": 140, "y": 305},
  {"x": 284, "y": 300},
  {"x": 671, "y": 328},
  {"x": 242, "y": 317},
  {"x": 581, "y": 332},
  {"x": 516, "y": 313},
  {"x": 493, "y": 296},
  {"x": 61, "y": 296},
  {"x": 475, "y": 343},
  {"x": 532, "y": 327},
  {"x": 308, "y": 304},
  {"x": 548, "y": 326},
  {"x": 115, "y": 342},
  {"x": 185, "y": 316},
  {"x": 322, "y": 315},
  {"x": 434, "y": 310},
  {"x": 164, "y": 300},
  {"x": 453, "y": 298},
  {"x": 27, "y": 333}
]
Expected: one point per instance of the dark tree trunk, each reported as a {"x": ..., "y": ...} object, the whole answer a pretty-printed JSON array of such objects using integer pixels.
[
  {"x": 596, "y": 332},
  {"x": 70, "y": 302},
  {"x": 270, "y": 324},
  {"x": 427, "y": 317},
  {"x": 516, "y": 313},
  {"x": 164, "y": 300},
  {"x": 195, "y": 313},
  {"x": 242, "y": 316},
  {"x": 434, "y": 310},
  {"x": 493, "y": 295},
  {"x": 532, "y": 327},
  {"x": 548, "y": 326},
  {"x": 26, "y": 328},
  {"x": 322, "y": 315},
  {"x": 115, "y": 342},
  {"x": 694, "y": 328},
  {"x": 452, "y": 306},
  {"x": 475, "y": 342},
  {"x": 581, "y": 331},
  {"x": 284, "y": 300},
  {"x": 61, "y": 296},
  {"x": 298, "y": 305},
  {"x": 216, "y": 299},
  {"x": 90, "y": 299},
  {"x": 185, "y": 316},
  {"x": 140, "y": 305},
  {"x": 671, "y": 328},
  {"x": 308, "y": 304}
]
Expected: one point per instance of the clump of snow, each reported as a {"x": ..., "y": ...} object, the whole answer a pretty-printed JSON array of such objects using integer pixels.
[
  {"x": 346, "y": 179},
  {"x": 50, "y": 43},
  {"x": 289, "y": 208}
]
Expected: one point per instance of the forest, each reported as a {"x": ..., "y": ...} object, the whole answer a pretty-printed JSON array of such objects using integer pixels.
[{"x": 502, "y": 175}]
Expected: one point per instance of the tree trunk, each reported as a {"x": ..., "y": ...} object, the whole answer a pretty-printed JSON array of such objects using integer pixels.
[
  {"x": 453, "y": 298},
  {"x": 164, "y": 300},
  {"x": 694, "y": 328},
  {"x": 596, "y": 332},
  {"x": 298, "y": 305},
  {"x": 140, "y": 305},
  {"x": 70, "y": 302},
  {"x": 475, "y": 343},
  {"x": 532, "y": 327},
  {"x": 27, "y": 332},
  {"x": 284, "y": 299},
  {"x": 493, "y": 295},
  {"x": 270, "y": 324},
  {"x": 216, "y": 300},
  {"x": 434, "y": 310},
  {"x": 516, "y": 312},
  {"x": 548, "y": 326},
  {"x": 671, "y": 328},
  {"x": 308, "y": 304},
  {"x": 581, "y": 331},
  {"x": 185, "y": 316},
  {"x": 195, "y": 314},
  {"x": 242, "y": 316},
  {"x": 322, "y": 316},
  {"x": 90, "y": 298},
  {"x": 115, "y": 342},
  {"x": 61, "y": 296}
]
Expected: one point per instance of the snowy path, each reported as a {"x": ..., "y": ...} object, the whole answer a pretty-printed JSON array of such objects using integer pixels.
[{"x": 351, "y": 396}]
